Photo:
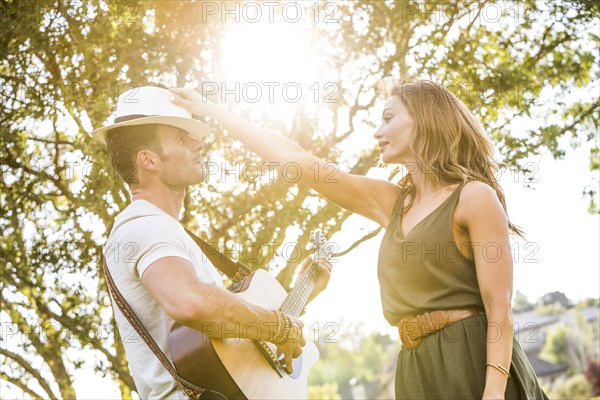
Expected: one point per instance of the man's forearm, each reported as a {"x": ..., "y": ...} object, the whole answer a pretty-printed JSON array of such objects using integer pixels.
[{"x": 221, "y": 314}]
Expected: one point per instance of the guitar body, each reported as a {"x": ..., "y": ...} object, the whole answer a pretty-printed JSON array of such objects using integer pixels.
[{"x": 236, "y": 367}]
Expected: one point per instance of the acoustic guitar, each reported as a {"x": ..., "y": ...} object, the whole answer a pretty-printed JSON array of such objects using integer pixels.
[{"x": 247, "y": 369}]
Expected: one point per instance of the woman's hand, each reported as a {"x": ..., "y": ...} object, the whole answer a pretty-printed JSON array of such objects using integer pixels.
[
  {"x": 321, "y": 283},
  {"x": 192, "y": 101},
  {"x": 293, "y": 347}
]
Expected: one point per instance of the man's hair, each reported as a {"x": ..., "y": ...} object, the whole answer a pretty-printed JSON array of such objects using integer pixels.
[{"x": 125, "y": 142}]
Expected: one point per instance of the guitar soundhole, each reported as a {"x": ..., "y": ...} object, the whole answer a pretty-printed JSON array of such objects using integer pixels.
[{"x": 296, "y": 364}]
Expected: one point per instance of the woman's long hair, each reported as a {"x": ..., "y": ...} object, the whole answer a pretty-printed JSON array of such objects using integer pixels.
[{"x": 449, "y": 142}]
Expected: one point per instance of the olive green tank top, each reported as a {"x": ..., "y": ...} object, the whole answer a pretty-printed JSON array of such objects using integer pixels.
[{"x": 426, "y": 270}]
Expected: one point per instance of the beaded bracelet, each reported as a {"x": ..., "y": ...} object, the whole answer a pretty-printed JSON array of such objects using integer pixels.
[
  {"x": 277, "y": 330},
  {"x": 500, "y": 368},
  {"x": 280, "y": 328},
  {"x": 284, "y": 324},
  {"x": 285, "y": 337}
]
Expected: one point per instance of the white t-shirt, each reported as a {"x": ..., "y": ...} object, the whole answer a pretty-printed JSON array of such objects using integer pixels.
[{"x": 143, "y": 233}]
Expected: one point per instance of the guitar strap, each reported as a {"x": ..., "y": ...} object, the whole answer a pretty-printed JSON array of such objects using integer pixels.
[{"x": 234, "y": 270}]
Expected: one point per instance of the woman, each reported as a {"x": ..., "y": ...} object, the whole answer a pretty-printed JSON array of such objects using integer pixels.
[{"x": 445, "y": 265}]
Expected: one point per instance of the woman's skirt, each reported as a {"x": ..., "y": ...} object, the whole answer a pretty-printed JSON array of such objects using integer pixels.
[{"x": 450, "y": 364}]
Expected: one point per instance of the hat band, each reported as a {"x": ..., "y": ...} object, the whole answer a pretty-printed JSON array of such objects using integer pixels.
[{"x": 130, "y": 117}]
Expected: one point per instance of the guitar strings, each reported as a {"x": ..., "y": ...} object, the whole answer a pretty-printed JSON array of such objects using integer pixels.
[{"x": 297, "y": 298}]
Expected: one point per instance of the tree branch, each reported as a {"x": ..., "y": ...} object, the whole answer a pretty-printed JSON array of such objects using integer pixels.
[
  {"x": 359, "y": 241},
  {"x": 353, "y": 111},
  {"x": 57, "y": 141},
  {"x": 27, "y": 367},
  {"x": 22, "y": 386}
]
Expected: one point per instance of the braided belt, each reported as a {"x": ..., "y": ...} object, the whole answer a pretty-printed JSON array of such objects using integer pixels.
[{"x": 413, "y": 329}]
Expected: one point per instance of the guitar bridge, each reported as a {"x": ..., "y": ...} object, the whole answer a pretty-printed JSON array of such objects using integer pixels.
[{"x": 270, "y": 356}]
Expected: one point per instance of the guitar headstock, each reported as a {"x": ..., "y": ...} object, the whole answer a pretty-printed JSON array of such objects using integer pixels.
[{"x": 323, "y": 249}]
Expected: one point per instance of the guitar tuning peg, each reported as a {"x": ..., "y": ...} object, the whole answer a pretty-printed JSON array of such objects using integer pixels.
[{"x": 328, "y": 248}]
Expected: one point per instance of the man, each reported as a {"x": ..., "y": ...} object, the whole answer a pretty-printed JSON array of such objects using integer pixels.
[{"x": 156, "y": 147}]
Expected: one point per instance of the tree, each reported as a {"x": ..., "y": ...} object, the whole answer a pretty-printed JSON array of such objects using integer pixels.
[
  {"x": 353, "y": 355},
  {"x": 572, "y": 345},
  {"x": 555, "y": 298},
  {"x": 324, "y": 392},
  {"x": 521, "y": 303},
  {"x": 555, "y": 347},
  {"x": 588, "y": 302},
  {"x": 64, "y": 63},
  {"x": 592, "y": 374},
  {"x": 576, "y": 387}
]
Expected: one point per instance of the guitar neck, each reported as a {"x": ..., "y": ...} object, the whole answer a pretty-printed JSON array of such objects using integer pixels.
[
  {"x": 292, "y": 305},
  {"x": 298, "y": 297}
]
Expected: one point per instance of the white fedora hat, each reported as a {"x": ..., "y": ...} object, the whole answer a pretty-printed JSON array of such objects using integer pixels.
[{"x": 152, "y": 105}]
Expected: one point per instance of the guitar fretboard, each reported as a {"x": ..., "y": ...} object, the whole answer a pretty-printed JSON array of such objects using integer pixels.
[{"x": 298, "y": 296}]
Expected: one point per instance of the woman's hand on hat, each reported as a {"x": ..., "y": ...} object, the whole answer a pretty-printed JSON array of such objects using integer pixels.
[{"x": 192, "y": 101}]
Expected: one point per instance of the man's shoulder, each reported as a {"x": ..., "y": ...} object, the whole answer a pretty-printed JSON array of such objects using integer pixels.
[
  {"x": 141, "y": 222},
  {"x": 144, "y": 213},
  {"x": 141, "y": 234},
  {"x": 142, "y": 208}
]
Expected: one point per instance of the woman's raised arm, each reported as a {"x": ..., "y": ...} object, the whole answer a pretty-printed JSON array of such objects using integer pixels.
[{"x": 372, "y": 198}]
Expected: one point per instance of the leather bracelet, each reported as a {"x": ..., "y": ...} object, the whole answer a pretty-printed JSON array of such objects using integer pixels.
[{"x": 500, "y": 368}]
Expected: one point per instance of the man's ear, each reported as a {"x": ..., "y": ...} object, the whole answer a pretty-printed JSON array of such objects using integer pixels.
[{"x": 148, "y": 160}]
